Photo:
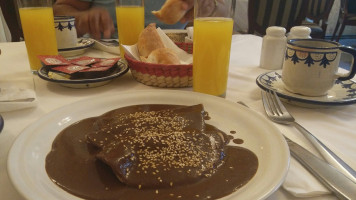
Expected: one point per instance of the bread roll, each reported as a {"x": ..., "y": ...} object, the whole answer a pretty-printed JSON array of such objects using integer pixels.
[
  {"x": 171, "y": 12},
  {"x": 162, "y": 56},
  {"x": 149, "y": 40}
]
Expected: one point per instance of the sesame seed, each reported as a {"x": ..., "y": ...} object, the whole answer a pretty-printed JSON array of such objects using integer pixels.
[{"x": 162, "y": 140}]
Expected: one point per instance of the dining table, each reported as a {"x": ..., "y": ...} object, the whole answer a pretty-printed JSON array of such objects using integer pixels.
[{"x": 334, "y": 125}]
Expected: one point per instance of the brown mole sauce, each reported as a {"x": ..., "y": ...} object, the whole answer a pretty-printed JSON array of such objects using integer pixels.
[
  {"x": 238, "y": 141},
  {"x": 72, "y": 165}
]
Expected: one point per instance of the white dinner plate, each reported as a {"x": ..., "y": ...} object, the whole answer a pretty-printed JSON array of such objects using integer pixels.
[
  {"x": 82, "y": 45},
  {"x": 26, "y": 161},
  {"x": 342, "y": 93}
]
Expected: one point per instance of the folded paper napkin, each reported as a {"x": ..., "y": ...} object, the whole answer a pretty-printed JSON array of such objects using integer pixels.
[
  {"x": 299, "y": 182},
  {"x": 184, "y": 57},
  {"x": 16, "y": 95},
  {"x": 189, "y": 38}
]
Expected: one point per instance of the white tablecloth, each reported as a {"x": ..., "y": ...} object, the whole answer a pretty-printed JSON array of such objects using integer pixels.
[{"x": 334, "y": 126}]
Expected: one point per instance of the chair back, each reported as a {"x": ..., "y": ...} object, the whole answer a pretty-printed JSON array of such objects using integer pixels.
[
  {"x": 346, "y": 17},
  {"x": 317, "y": 16},
  {"x": 347, "y": 8},
  {"x": 10, "y": 12},
  {"x": 351, "y": 6},
  {"x": 284, "y": 13},
  {"x": 319, "y": 10}
]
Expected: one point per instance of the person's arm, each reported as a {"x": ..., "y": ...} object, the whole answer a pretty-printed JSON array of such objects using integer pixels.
[
  {"x": 92, "y": 20},
  {"x": 211, "y": 8},
  {"x": 189, "y": 16}
]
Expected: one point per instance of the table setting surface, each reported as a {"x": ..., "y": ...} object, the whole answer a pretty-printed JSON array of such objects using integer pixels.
[{"x": 334, "y": 125}]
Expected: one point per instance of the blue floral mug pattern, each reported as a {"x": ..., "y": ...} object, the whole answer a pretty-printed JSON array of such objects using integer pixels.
[
  {"x": 66, "y": 33},
  {"x": 310, "y": 58},
  {"x": 311, "y": 66}
]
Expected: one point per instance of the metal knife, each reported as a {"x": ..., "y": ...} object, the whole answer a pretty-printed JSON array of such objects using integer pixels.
[
  {"x": 338, "y": 183},
  {"x": 342, "y": 186},
  {"x": 19, "y": 100}
]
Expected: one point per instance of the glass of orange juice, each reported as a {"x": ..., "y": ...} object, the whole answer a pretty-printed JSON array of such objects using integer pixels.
[
  {"x": 130, "y": 21},
  {"x": 213, "y": 27},
  {"x": 38, "y": 28}
]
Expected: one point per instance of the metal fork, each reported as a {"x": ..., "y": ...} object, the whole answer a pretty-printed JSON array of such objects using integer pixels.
[{"x": 276, "y": 111}]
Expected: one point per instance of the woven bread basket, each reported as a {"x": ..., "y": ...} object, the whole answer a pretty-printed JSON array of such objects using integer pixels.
[{"x": 165, "y": 76}]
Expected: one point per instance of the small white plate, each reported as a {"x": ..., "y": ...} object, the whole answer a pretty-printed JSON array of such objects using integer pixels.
[
  {"x": 120, "y": 69},
  {"x": 26, "y": 161},
  {"x": 108, "y": 45},
  {"x": 82, "y": 45},
  {"x": 342, "y": 93}
]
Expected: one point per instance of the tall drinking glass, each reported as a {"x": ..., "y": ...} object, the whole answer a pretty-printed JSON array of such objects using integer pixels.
[
  {"x": 213, "y": 26},
  {"x": 130, "y": 18},
  {"x": 38, "y": 28}
]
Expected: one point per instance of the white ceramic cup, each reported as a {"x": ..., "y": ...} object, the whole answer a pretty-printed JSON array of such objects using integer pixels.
[
  {"x": 311, "y": 66},
  {"x": 66, "y": 33}
]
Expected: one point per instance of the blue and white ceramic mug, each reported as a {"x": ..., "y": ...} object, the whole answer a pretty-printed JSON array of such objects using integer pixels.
[
  {"x": 311, "y": 66},
  {"x": 66, "y": 33}
]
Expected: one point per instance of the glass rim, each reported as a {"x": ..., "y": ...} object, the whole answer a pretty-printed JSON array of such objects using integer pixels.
[
  {"x": 34, "y": 3},
  {"x": 303, "y": 43},
  {"x": 121, "y": 3}
]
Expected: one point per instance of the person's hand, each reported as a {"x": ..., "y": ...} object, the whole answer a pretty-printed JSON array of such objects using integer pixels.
[{"x": 95, "y": 21}]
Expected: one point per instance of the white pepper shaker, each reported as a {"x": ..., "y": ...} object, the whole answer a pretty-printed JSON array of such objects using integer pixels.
[
  {"x": 299, "y": 32},
  {"x": 273, "y": 48}
]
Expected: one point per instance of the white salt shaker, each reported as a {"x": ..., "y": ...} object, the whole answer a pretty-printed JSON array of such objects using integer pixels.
[
  {"x": 273, "y": 48},
  {"x": 299, "y": 32}
]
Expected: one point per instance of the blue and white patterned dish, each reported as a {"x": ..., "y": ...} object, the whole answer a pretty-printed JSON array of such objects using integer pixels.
[
  {"x": 342, "y": 93},
  {"x": 82, "y": 45},
  {"x": 120, "y": 69}
]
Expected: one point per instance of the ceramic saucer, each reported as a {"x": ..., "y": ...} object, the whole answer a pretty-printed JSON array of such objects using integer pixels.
[
  {"x": 342, "y": 93},
  {"x": 120, "y": 69},
  {"x": 82, "y": 45},
  {"x": 107, "y": 45}
]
